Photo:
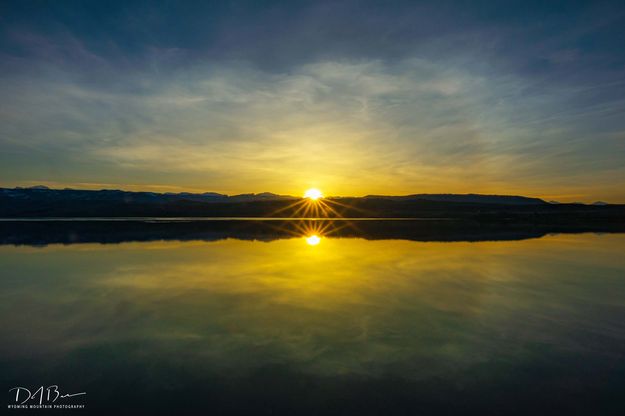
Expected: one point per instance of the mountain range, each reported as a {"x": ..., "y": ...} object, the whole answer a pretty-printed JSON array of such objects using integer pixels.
[
  {"x": 41, "y": 202},
  {"x": 43, "y": 192}
]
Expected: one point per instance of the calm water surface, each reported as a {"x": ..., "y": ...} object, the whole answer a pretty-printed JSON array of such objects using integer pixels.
[{"x": 335, "y": 325}]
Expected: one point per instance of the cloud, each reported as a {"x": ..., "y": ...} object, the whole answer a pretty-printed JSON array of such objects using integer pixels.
[{"x": 445, "y": 108}]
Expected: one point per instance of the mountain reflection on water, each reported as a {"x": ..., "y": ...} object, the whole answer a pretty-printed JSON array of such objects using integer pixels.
[
  {"x": 344, "y": 325},
  {"x": 118, "y": 230}
]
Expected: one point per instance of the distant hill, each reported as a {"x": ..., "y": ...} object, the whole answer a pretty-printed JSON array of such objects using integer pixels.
[
  {"x": 41, "y": 192},
  {"x": 469, "y": 198}
]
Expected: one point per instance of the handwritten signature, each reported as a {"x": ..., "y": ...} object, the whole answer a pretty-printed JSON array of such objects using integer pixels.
[{"x": 49, "y": 394}]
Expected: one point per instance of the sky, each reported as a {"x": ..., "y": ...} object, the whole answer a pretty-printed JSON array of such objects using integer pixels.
[{"x": 351, "y": 97}]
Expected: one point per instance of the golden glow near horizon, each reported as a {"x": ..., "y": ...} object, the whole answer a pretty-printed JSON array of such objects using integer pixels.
[
  {"x": 439, "y": 142},
  {"x": 313, "y": 194},
  {"x": 313, "y": 240}
]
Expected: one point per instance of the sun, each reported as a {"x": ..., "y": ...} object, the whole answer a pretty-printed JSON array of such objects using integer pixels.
[
  {"x": 313, "y": 240},
  {"x": 313, "y": 194}
]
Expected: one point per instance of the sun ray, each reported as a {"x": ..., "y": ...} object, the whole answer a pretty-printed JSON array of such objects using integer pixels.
[{"x": 293, "y": 205}]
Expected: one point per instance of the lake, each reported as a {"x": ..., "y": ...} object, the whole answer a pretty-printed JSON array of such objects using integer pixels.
[{"x": 315, "y": 319}]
